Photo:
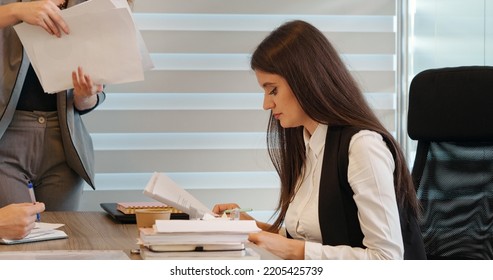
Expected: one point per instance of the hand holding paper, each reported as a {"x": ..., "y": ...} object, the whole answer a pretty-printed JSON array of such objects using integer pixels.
[
  {"x": 85, "y": 90},
  {"x": 44, "y": 14},
  {"x": 102, "y": 36},
  {"x": 163, "y": 189}
]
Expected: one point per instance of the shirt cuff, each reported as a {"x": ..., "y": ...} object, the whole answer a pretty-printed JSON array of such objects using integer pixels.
[
  {"x": 82, "y": 112},
  {"x": 313, "y": 250}
]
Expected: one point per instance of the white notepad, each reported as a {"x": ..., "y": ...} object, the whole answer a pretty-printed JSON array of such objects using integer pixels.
[{"x": 41, "y": 232}]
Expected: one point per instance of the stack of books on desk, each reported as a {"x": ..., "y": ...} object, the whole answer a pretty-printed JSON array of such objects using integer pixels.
[{"x": 198, "y": 239}]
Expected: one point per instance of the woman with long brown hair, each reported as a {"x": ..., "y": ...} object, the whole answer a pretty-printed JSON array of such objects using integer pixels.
[{"x": 346, "y": 191}]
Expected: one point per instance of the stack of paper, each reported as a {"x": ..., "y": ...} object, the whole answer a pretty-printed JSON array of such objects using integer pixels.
[
  {"x": 199, "y": 232},
  {"x": 203, "y": 236},
  {"x": 246, "y": 254},
  {"x": 198, "y": 238},
  {"x": 102, "y": 36}
]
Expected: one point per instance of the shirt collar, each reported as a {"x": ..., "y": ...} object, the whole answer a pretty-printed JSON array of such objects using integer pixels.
[{"x": 316, "y": 142}]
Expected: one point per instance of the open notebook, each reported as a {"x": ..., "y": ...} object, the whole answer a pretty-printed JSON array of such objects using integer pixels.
[{"x": 41, "y": 232}]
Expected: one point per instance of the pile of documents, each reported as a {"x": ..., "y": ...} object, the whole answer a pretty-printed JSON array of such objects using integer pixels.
[
  {"x": 207, "y": 239},
  {"x": 204, "y": 236}
]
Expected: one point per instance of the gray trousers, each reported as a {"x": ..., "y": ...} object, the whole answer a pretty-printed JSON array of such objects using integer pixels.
[{"x": 32, "y": 150}]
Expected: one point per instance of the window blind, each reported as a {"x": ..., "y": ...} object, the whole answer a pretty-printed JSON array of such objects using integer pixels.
[{"x": 198, "y": 114}]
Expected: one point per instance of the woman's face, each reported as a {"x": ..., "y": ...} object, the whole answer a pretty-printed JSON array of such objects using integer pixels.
[{"x": 279, "y": 98}]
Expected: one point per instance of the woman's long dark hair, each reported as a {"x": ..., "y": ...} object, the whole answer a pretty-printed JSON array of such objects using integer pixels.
[{"x": 328, "y": 94}]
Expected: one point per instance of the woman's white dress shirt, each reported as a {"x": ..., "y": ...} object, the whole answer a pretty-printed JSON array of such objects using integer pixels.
[{"x": 370, "y": 175}]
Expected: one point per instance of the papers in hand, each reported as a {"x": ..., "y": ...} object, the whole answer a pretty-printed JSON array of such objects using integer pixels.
[
  {"x": 102, "y": 36},
  {"x": 41, "y": 232},
  {"x": 161, "y": 188}
]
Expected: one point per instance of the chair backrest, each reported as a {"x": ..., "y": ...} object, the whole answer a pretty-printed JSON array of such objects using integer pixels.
[{"x": 451, "y": 117}]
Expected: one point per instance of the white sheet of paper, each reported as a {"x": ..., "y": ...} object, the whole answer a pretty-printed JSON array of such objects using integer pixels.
[
  {"x": 147, "y": 63},
  {"x": 103, "y": 40},
  {"x": 101, "y": 5},
  {"x": 40, "y": 232},
  {"x": 206, "y": 226},
  {"x": 161, "y": 188}
]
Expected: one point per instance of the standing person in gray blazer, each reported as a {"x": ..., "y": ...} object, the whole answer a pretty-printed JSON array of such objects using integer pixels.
[{"x": 43, "y": 140}]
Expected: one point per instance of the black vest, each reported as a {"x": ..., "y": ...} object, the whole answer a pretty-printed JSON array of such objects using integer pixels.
[{"x": 336, "y": 206}]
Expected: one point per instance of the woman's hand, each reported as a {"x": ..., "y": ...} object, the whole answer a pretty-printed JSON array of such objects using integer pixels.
[
  {"x": 289, "y": 249},
  {"x": 17, "y": 220},
  {"x": 44, "y": 13},
  {"x": 220, "y": 208},
  {"x": 85, "y": 91}
]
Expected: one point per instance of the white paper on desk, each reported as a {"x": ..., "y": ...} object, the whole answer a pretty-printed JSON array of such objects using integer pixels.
[
  {"x": 161, "y": 188},
  {"x": 40, "y": 232},
  {"x": 103, "y": 40},
  {"x": 207, "y": 226}
]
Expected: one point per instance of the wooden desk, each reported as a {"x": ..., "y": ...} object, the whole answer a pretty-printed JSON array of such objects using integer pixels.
[
  {"x": 86, "y": 231},
  {"x": 94, "y": 231}
]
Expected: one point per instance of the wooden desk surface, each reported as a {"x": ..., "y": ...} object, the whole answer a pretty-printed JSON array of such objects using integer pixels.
[
  {"x": 86, "y": 231},
  {"x": 94, "y": 231}
]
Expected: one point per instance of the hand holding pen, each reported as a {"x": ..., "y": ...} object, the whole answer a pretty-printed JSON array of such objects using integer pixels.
[
  {"x": 17, "y": 219},
  {"x": 33, "y": 198},
  {"x": 235, "y": 214},
  {"x": 234, "y": 211}
]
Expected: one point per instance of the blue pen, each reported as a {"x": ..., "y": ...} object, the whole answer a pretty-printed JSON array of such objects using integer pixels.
[{"x": 33, "y": 198}]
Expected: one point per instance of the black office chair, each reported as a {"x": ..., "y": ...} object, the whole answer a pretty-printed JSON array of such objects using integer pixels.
[{"x": 451, "y": 117}]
